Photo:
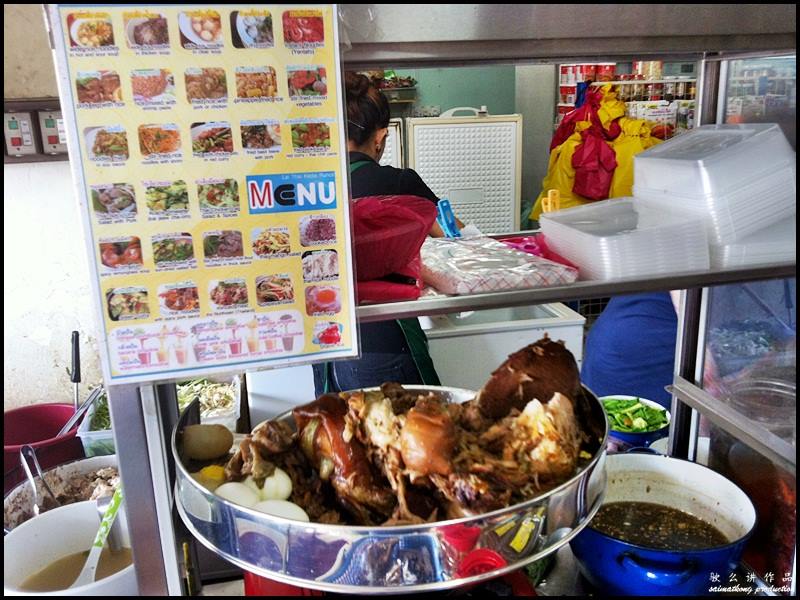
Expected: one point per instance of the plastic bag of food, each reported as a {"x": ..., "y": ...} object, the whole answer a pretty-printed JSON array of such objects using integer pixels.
[
  {"x": 388, "y": 232},
  {"x": 481, "y": 264},
  {"x": 219, "y": 400}
]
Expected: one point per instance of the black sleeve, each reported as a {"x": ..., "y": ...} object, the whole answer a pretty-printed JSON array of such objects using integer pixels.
[{"x": 411, "y": 183}]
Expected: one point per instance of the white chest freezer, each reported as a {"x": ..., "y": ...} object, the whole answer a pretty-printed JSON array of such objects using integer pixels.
[{"x": 467, "y": 347}]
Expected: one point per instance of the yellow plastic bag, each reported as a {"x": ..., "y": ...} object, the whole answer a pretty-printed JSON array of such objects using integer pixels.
[
  {"x": 635, "y": 138},
  {"x": 561, "y": 174}
]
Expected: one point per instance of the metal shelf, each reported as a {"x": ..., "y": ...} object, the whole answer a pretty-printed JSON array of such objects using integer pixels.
[
  {"x": 648, "y": 81},
  {"x": 576, "y": 291},
  {"x": 738, "y": 425}
]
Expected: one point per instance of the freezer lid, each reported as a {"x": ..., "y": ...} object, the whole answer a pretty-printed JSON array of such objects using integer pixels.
[{"x": 539, "y": 315}]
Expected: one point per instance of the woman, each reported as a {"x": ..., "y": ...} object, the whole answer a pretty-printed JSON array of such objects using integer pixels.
[
  {"x": 630, "y": 349},
  {"x": 390, "y": 350}
]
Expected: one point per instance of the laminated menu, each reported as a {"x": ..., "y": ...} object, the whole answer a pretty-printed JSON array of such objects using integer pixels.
[
  {"x": 208, "y": 154},
  {"x": 481, "y": 264}
]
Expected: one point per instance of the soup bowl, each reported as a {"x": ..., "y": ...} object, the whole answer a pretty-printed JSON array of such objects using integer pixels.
[
  {"x": 55, "y": 534},
  {"x": 621, "y": 568}
]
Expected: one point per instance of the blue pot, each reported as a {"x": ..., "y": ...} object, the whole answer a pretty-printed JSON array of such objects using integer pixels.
[
  {"x": 641, "y": 440},
  {"x": 621, "y": 568}
]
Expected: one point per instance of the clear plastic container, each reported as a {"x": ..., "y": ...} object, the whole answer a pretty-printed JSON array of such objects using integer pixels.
[
  {"x": 776, "y": 243},
  {"x": 95, "y": 443},
  {"x": 623, "y": 237},
  {"x": 741, "y": 178},
  {"x": 770, "y": 402}
]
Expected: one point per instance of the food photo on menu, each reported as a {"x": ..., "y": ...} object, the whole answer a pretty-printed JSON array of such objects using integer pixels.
[
  {"x": 207, "y": 83},
  {"x": 228, "y": 293},
  {"x": 219, "y": 194},
  {"x": 320, "y": 265},
  {"x": 156, "y": 140},
  {"x": 166, "y": 196},
  {"x": 256, "y": 82},
  {"x": 252, "y": 29},
  {"x": 311, "y": 135},
  {"x": 212, "y": 138},
  {"x": 169, "y": 249},
  {"x": 121, "y": 254},
  {"x": 98, "y": 87},
  {"x": 222, "y": 244},
  {"x": 127, "y": 303},
  {"x": 259, "y": 136},
  {"x": 274, "y": 289},
  {"x": 180, "y": 298},
  {"x": 327, "y": 333},
  {"x": 153, "y": 86},
  {"x": 307, "y": 81},
  {"x": 317, "y": 229},
  {"x": 113, "y": 199},
  {"x": 271, "y": 242},
  {"x": 200, "y": 29},
  {"x": 302, "y": 27},
  {"x": 90, "y": 31},
  {"x": 106, "y": 144},
  {"x": 323, "y": 300},
  {"x": 146, "y": 31}
]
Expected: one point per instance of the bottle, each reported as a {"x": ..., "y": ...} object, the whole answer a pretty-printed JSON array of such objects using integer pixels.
[
  {"x": 638, "y": 88},
  {"x": 682, "y": 120},
  {"x": 622, "y": 89},
  {"x": 669, "y": 91},
  {"x": 680, "y": 90}
]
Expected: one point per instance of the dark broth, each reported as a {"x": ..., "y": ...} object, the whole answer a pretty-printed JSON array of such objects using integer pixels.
[
  {"x": 656, "y": 526},
  {"x": 61, "y": 574}
]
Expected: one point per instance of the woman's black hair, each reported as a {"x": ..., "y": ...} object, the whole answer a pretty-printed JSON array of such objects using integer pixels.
[{"x": 367, "y": 108}]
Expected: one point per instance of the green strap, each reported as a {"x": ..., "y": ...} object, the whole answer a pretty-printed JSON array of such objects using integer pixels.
[
  {"x": 418, "y": 345},
  {"x": 357, "y": 165}
]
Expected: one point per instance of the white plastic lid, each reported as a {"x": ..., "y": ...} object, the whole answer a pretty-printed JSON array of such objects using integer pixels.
[{"x": 708, "y": 141}]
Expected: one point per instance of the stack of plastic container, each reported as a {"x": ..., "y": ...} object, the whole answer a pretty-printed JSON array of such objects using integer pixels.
[
  {"x": 624, "y": 238},
  {"x": 740, "y": 179},
  {"x": 774, "y": 244}
]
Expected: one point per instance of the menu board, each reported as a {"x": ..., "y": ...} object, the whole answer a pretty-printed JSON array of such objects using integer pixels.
[{"x": 208, "y": 151}]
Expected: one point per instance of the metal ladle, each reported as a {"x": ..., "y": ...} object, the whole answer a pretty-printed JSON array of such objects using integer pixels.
[
  {"x": 27, "y": 453},
  {"x": 81, "y": 411}
]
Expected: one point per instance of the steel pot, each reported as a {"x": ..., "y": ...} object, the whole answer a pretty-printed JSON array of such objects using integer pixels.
[{"x": 390, "y": 560}]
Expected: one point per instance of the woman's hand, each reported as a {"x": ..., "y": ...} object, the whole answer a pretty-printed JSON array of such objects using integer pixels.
[{"x": 436, "y": 230}]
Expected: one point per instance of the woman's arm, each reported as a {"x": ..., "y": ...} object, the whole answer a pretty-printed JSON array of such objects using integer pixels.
[{"x": 411, "y": 183}]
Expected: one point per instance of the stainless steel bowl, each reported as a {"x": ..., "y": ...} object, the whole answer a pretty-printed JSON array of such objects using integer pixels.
[{"x": 400, "y": 559}]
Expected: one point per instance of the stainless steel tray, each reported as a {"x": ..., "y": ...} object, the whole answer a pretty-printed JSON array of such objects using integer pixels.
[{"x": 391, "y": 560}]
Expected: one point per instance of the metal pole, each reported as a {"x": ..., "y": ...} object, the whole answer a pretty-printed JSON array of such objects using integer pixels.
[
  {"x": 142, "y": 419},
  {"x": 681, "y": 431},
  {"x": 130, "y": 439}
]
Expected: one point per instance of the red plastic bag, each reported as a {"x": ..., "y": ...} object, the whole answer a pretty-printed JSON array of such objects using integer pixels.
[
  {"x": 594, "y": 162},
  {"x": 404, "y": 284},
  {"x": 388, "y": 232},
  {"x": 588, "y": 111}
]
